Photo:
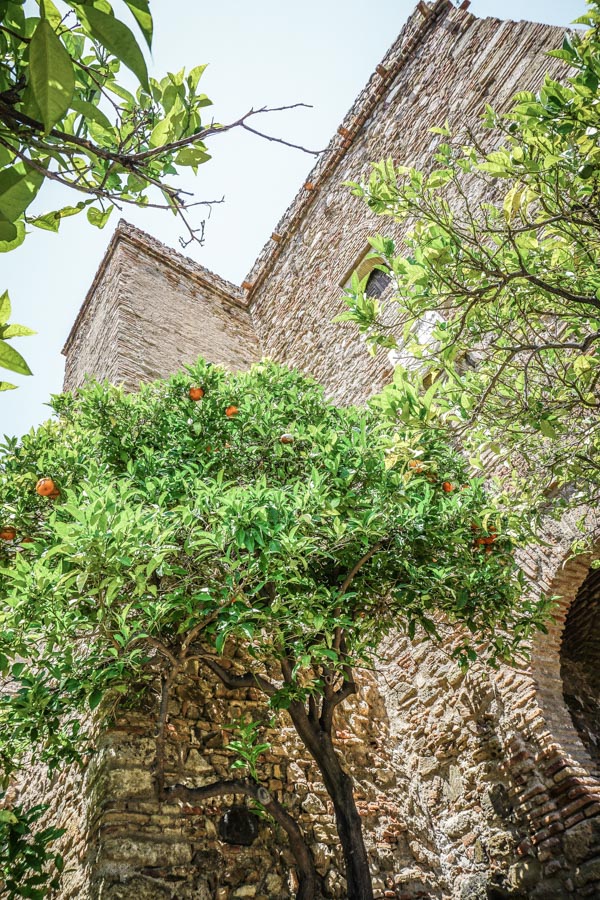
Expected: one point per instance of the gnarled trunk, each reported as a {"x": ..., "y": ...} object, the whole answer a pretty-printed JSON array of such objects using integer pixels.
[{"x": 339, "y": 787}]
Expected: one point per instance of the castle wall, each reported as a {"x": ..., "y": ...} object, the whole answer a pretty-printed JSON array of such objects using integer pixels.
[
  {"x": 470, "y": 786},
  {"x": 500, "y": 791},
  {"x": 148, "y": 850},
  {"x": 150, "y": 311},
  {"x": 443, "y": 67}
]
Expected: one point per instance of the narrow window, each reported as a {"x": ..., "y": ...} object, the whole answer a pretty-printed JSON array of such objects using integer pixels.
[{"x": 377, "y": 284}]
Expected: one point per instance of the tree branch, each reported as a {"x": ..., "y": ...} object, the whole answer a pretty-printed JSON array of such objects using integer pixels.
[
  {"x": 307, "y": 873},
  {"x": 237, "y": 682}
]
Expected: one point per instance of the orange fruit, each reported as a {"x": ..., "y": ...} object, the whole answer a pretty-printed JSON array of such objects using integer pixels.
[
  {"x": 45, "y": 487},
  {"x": 27, "y": 540},
  {"x": 286, "y": 439},
  {"x": 231, "y": 411},
  {"x": 8, "y": 533},
  {"x": 447, "y": 486},
  {"x": 54, "y": 495},
  {"x": 196, "y": 393},
  {"x": 415, "y": 465}
]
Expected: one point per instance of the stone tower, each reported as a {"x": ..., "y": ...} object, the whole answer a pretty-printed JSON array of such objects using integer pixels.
[{"x": 473, "y": 786}]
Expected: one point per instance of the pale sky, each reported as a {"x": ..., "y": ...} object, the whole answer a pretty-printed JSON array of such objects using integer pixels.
[{"x": 266, "y": 52}]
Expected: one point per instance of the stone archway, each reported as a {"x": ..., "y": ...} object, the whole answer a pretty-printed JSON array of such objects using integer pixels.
[
  {"x": 580, "y": 663},
  {"x": 555, "y": 655}
]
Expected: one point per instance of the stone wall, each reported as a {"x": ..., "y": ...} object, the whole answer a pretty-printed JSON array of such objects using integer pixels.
[
  {"x": 471, "y": 786},
  {"x": 150, "y": 311},
  {"x": 499, "y": 777},
  {"x": 500, "y": 790},
  {"x": 145, "y": 849},
  {"x": 445, "y": 66}
]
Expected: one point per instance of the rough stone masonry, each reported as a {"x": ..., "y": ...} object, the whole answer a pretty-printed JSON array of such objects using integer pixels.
[{"x": 483, "y": 785}]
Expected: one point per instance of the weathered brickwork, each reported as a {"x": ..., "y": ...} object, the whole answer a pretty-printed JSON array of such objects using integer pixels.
[
  {"x": 150, "y": 311},
  {"x": 474, "y": 786},
  {"x": 146, "y": 849},
  {"x": 444, "y": 67}
]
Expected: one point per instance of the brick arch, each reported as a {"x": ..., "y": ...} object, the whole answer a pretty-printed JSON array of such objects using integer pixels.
[
  {"x": 555, "y": 783},
  {"x": 546, "y": 665}
]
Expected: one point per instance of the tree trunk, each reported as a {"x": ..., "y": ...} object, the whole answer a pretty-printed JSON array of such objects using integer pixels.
[{"x": 339, "y": 787}]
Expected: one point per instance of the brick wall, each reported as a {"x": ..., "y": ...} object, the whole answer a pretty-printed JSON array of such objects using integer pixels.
[
  {"x": 471, "y": 786},
  {"x": 150, "y": 311},
  {"x": 445, "y": 66}
]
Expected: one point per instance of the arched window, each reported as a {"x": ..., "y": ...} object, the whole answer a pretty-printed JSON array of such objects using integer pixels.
[{"x": 377, "y": 284}]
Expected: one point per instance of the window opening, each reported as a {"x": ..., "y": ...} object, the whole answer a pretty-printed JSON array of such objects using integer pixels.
[{"x": 377, "y": 284}]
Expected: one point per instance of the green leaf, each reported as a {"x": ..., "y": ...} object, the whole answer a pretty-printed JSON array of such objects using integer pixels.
[
  {"x": 51, "y": 13},
  {"x": 8, "y": 817},
  {"x": 8, "y": 230},
  {"x": 194, "y": 76},
  {"x": 118, "y": 39},
  {"x": 95, "y": 698},
  {"x": 90, "y": 111},
  {"x": 97, "y": 217},
  {"x": 7, "y": 386},
  {"x": 51, "y": 221},
  {"x": 192, "y": 156},
  {"x": 547, "y": 429},
  {"x": 169, "y": 128},
  {"x": 11, "y": 359},
  {"x": 140, "y": 10},
  {"x": 51, "y": 74},
  {"x": 17, "y": 331},
  {"x": 18, "y": 187},
  {"x": 4, "y": 308},
  {"x": 48, "y": 222},
  {"x": 17, "y": 229}
]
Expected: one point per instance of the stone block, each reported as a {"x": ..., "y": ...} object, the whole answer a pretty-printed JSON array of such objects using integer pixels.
[
  {"x": 139, "y": 852},
  {"x": 577, "y": 840},
  {"x": 525, "y": 874},
  {"x": 588, "y": 872},
  {"x": 124, "y": 784},
  {"x": 457, "y": 825}
]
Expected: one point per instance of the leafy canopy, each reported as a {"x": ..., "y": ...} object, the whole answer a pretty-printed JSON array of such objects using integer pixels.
[
  {"x": 498, "y": 300},
  {"x": 175, "y": 518},
  {"x": 258, "y": 519},
  {"x": 28, "y": 866}
]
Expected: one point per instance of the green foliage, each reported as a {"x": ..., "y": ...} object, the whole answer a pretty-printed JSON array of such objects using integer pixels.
[
  {"x": 28, "y": 866},
  {"x": 184, "y": 525},
  {"x": 66, "y": 115},
  {"x": 64, "y": 109},
  {"x": 9, "y": 357},
  {"x": 247, "y": 746},
  {"x": 499, "y": 299}
]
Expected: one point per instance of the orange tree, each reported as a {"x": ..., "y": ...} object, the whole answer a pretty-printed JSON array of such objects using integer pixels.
[{"x": 256, "y": 516}]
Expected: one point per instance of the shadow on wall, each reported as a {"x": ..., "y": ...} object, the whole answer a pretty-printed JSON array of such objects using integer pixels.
[{"x": 580, "y": 664}]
